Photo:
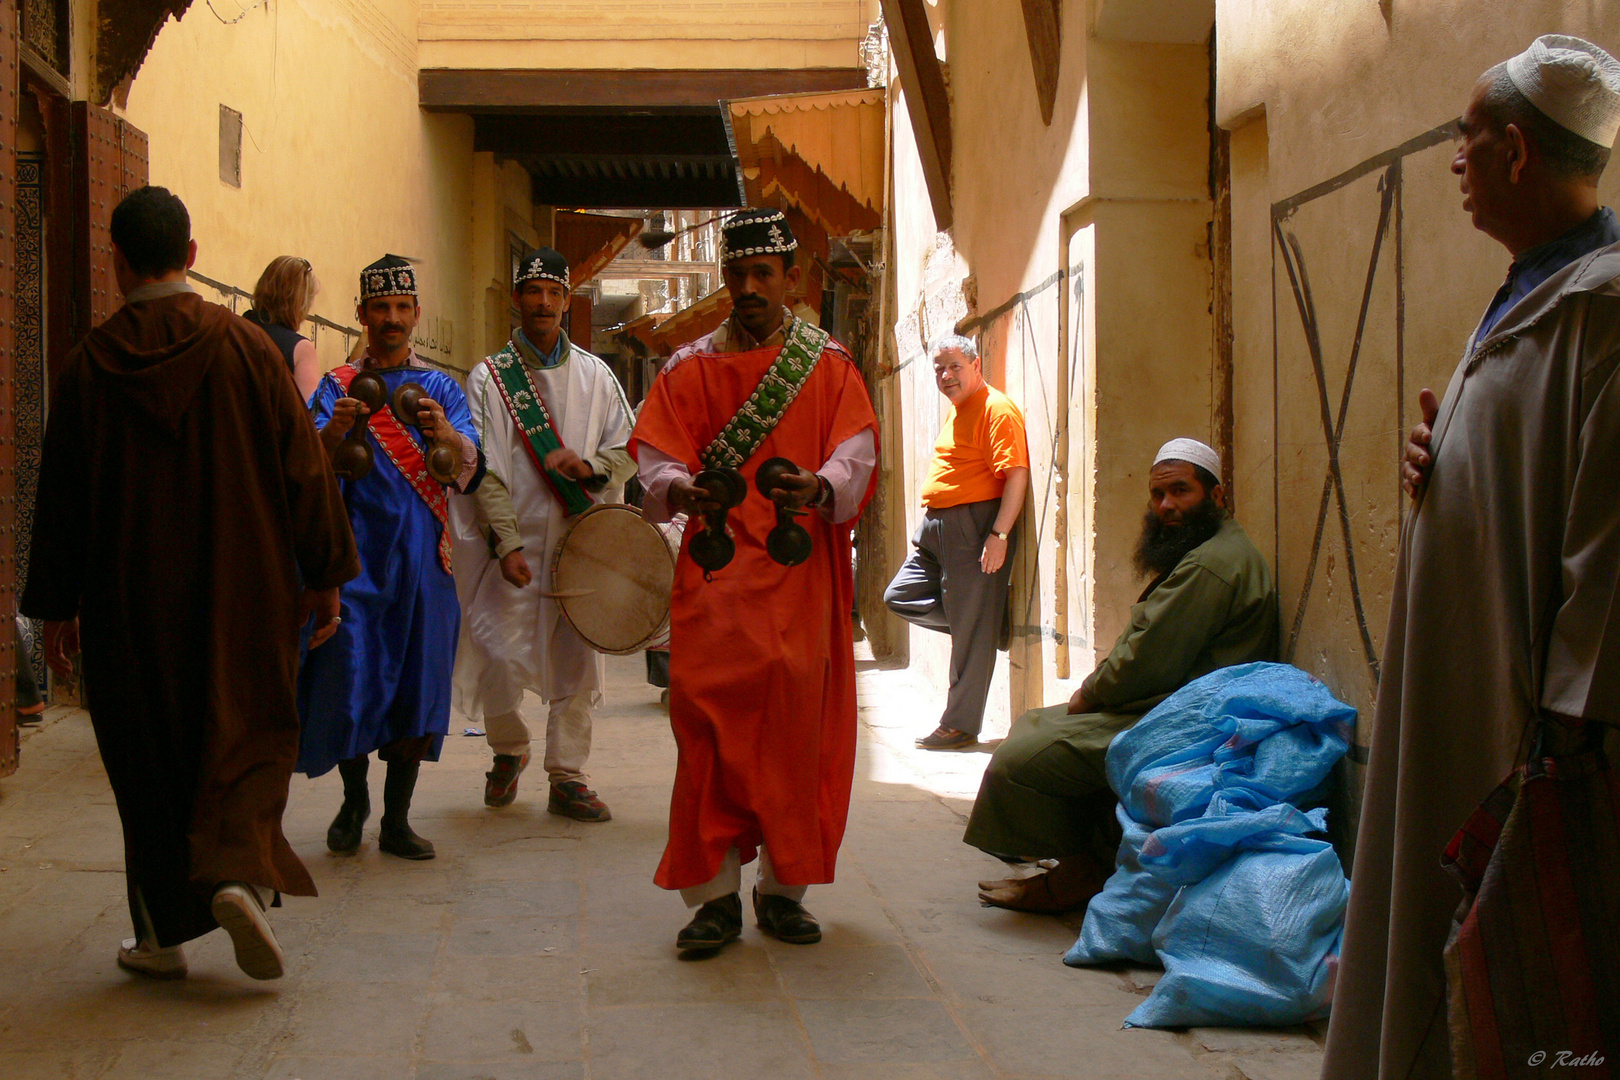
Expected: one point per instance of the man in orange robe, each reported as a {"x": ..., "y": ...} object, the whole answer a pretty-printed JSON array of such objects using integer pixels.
[{"x": 762, "y": 667}]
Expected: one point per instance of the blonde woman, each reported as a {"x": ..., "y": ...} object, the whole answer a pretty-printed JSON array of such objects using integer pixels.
[{"x": 281, "y": 303}]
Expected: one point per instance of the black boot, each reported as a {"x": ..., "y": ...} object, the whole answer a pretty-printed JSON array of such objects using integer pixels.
[
  {"x": 344, "y": 835},
  {"x": 397, "y": 837}
]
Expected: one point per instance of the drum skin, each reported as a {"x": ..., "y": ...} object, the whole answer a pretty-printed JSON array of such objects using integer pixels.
[{"x": 613, "y": 572}]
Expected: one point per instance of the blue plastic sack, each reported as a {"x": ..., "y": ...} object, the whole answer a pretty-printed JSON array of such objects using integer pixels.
[
  {"x": 1269, "y": 729},
  {"x": 1188, "y": 852},
  {"x": 1120, "y": 919},
  {"x": 1254, "y": 939}
]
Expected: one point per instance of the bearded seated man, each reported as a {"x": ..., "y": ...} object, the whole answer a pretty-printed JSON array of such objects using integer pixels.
[{"x": 1210, "y": 604}]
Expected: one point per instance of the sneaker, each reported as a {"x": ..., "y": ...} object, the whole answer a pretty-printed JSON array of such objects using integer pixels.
[
  {"x": 238, "y": 909},
  {"x": 152, "y": 961},
  {"x": 715, "y": 923},
  {"x": 500, "y": 783},
  {"x": 572, "y": 799},
  {"x": 945, "y": 738}
]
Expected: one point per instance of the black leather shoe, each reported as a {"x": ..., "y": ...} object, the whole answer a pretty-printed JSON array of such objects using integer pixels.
[
  {"x": 401, "y": 840},
  {"x": 785, "y": 920},
  {"x": 344, "y": 835},
  {"x": 715, "y": 923}
]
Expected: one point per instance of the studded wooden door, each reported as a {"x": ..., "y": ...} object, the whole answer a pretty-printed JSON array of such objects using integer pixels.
[
  {"x": 101, "y": 177},
  {"x": 109, "y": 162},
  {"x": 8, "y": 445}
]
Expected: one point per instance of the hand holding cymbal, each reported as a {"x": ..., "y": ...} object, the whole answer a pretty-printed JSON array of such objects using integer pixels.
[
  {"x": 353, "y": 457},
  {"x": 722, "y": 489},
  {"x": 789, "y": 487},
  {"x": 412, "y": 405}
]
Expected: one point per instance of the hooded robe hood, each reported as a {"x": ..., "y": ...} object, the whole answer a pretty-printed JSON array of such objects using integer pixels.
[{"x": 157, "y": 352}]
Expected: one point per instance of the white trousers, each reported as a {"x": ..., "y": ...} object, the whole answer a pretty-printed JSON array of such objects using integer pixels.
[
  {"x": 729, "y": 880},
  {"x": 568, "y": 734}
]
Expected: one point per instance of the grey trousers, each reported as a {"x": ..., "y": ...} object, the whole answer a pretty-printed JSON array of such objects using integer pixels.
[{"x": 942, "y": 588}]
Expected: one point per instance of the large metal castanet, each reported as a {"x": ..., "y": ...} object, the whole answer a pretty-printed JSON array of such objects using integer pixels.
[
  {"x": 612, "y": 575},
  {"x": 442, "y": 463},
  {"x": 353, "y": 457},
  {"x": 712, "y": 547},
  {"x": 789, "y": 542}
]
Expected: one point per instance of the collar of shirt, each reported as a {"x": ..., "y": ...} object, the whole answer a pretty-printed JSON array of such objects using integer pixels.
[
  {"x": 976, "y": 399},
  {"x": 531, "y": 354},
  {"x": 1541, "y": 262},
  {"x": 156, "y": 290},
  {"x": 731, "y": 337}
]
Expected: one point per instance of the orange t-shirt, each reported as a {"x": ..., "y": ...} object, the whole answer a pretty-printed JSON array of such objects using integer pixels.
[{"x": 982, "y": 438}]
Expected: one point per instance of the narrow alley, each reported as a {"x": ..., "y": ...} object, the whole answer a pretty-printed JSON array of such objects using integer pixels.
[{"x": 537, "y": 948}]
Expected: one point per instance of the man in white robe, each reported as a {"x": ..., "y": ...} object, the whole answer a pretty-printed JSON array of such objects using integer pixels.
[
  {"x": 569, "y": 455},
  {"x": 1506, "y": 601}
]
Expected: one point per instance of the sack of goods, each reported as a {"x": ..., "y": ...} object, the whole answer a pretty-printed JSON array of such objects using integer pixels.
[{"x": 1220, "y": 876}]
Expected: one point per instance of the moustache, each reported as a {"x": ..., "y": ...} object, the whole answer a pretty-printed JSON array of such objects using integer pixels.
[{"x": 393, "y": 328}]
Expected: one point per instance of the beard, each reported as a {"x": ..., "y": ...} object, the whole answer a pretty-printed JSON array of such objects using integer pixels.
[{"x": 1162, "y": 546}]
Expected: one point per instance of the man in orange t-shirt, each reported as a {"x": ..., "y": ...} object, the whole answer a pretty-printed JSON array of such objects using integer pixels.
[{"x": 956, "y": 579}]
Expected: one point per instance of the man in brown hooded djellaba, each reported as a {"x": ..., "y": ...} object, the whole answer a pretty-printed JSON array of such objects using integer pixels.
[{"x": 188, "y": 522}]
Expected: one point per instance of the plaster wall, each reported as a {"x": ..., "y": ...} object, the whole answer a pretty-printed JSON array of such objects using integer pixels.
[
  {"x": 1150, "y": 373},
  {"x": 502, "y": 211},
  {"x": 629, "y": 34},
  {"x": 339, "y": 165},
  {"x": 1333, "y": 109},
  {"x": 1079, "y": 255}
]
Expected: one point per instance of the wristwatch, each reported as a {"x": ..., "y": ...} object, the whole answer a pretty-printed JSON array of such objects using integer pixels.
[
  {"x": 1000, "y": 536},
  {"x": 824, "y": 492}
]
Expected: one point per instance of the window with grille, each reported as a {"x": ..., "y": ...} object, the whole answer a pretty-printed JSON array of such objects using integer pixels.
[{"x": 44, "y": 25}]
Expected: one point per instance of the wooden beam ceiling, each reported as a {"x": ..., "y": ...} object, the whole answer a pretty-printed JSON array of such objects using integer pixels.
[
  {"x": 497, "y": 89},
  {"x": 927, "y": 101},
  {"x": 698, "y": 132},
  {"x": 617, "y": 160}
]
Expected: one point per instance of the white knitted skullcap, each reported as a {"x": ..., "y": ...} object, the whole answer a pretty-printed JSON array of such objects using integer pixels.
[
  {"x": 1574, "y": 82},
  {"x": 1193, "y": 452}
]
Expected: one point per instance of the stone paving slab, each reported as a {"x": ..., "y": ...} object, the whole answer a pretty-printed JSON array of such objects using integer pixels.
[{"x": 537, "y": 948}]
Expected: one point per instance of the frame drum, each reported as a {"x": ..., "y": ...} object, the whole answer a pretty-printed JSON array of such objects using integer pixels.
[{"x": 612, "y": 577}]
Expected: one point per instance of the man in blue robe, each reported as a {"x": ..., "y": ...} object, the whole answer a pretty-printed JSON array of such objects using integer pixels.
[{"x": 383, "y": 682}]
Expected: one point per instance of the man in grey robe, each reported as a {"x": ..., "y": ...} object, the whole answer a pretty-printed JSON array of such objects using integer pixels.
[{"x": 1505, "y": 606}]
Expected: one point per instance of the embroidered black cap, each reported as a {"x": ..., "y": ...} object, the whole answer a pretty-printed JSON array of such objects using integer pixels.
[
  {"x": 388, "y": 276},
  {"x": 755, "y": 232},
  {"x": 542, "y": 264}
]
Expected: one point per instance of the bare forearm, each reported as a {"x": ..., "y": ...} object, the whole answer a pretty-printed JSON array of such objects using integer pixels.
[{"x": 1012, "y": 499}]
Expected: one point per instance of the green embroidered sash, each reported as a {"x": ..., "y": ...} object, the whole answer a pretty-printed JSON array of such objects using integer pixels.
[
  {"x": 533, "y": 421},
  {"x": 760, "y": 414}
]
